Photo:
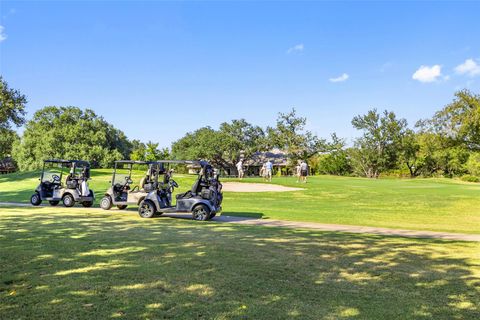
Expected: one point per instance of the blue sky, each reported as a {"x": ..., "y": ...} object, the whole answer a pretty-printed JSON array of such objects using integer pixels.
[{"x": 159, "y": 69}]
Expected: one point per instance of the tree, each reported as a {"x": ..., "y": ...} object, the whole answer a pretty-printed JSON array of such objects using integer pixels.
[
  {"x": 138, "y": 150},
  {"x": 377, "y": 149},
  {"x": 409, "y": 153},
  {"x": 70, "y": 133},
  {"x": 151, "y": 151},
  {"x": 335, "y": 160},
  {"x": 7, "y": 138},
  {"x": 241, "y": 140},
  {"x": 290, "y": 135},
  {"x": 223, "y": 147},
  {"x": 12, "y": 113},
  {"x": 202, "y": 144},
  {"x": 459, "y": 120}
]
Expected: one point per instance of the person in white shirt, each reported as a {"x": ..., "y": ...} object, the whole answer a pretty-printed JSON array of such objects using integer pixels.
[
  {"x": 303, "y": 171},
  {"x": 297, "y": 172},
  {"x": 240, "y": 169},
  {"x": 268, "y": 170}
]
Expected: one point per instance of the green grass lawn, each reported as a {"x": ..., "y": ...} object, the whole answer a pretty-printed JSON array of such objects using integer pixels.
[
  {"x": 59, "y": 263},
  {"x": 422, "y": 204}
]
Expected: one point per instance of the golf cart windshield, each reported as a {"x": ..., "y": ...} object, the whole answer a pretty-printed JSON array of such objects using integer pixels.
[
  {"x": 52, "y": 172},
  {"x": 133, "y": 172}
]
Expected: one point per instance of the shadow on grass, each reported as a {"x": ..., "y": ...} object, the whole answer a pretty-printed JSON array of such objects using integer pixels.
[{"x": 83, "y": 265}]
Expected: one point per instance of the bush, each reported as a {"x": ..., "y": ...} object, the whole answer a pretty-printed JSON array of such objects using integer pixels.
[
  {"x": 470, "y": 178},
  {"x": 473, "y": 164}
]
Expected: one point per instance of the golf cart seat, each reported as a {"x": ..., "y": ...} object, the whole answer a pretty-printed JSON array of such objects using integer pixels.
[{"x": 192, "y": 192}]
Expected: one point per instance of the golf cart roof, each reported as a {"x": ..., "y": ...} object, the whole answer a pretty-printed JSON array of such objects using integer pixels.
[
  {"x": 201, "y": 163},
  {"x": 77, "y": 162},
  {"x": 134, "y": 162}
]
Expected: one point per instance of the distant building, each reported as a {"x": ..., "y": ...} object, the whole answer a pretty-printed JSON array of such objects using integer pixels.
[
  {"x": 277, "y": 157},
  {"x": 7, "y": 166}
]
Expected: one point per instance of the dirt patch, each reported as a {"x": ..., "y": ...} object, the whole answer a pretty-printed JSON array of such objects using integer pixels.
[{"x": 255, "y": 187}]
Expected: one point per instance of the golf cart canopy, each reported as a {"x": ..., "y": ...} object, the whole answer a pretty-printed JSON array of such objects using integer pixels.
[{"x": 76, "y": 162}]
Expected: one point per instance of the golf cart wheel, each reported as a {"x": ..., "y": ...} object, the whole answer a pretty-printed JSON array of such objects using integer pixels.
[
  {"x": 201, "y": 212},
  {"x": 146, "y": 209},
  {"x": 106, "y": 203},
  {"x": 87, "y": 204},
  {"x": 35, "y": 199},
  {"x": 122, "y": 207},
  {"x": 54, "y": 203},
  {"x": 68, "y": 200}
]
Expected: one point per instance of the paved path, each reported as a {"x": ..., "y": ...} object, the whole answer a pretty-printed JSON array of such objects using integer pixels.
[{"x": 316, "y": 226}]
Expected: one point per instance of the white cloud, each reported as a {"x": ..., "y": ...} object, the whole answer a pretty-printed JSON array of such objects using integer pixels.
[
  {"x": 3, "y": 36},
  {"x": 343, "y": 77},
  {"x": 470, "y": 67},
  {"x": 428, "y": 74},
  {"x": 296, "y": 48}
]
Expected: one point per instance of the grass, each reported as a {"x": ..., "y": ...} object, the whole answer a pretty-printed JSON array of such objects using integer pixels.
[
  {"x": 75, "y": 263},
  {"x": 419, "y": 204}
]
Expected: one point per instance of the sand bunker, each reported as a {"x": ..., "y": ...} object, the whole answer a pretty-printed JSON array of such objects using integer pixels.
[{"x": 255, "y": 187}]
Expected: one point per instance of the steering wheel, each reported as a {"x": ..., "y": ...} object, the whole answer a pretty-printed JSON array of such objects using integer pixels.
[
  {"x": 128, "y": 180},
  {"x": 173, "y": 183},
  {"x": 55, "y": 178}
]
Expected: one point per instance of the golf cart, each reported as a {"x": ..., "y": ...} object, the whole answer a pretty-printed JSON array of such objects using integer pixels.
[
  {"x": 203, "y": 200},
  {"x": 75, "y": 189},
  {"x": 122, "y": 191}
]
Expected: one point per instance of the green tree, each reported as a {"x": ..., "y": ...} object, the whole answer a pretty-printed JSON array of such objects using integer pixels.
[
  {"x": 459, "y": 120},
  {"x": 71, "y": 133},
  {"x": 335, "y": 160},
  {"x": 290, "y": 135},
  {"x": 12, "y": 113},
  {"x": 202, "y": 144},
  {"x": 138, "y": 150},
  {"x": 378, "y": 148},
  {"x": 152, "y": 153},
  {"x": 223, "y": 147},
  {"x": 241, "y": 140}
]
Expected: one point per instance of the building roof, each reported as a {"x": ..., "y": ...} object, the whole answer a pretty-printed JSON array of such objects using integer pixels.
[{"x": 276, "y": 156}]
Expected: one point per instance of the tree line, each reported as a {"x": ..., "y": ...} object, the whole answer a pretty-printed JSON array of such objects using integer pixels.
[{"x": 447, "y": 144}]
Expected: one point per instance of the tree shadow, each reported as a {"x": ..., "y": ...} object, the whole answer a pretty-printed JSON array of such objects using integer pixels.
[{"x": 83, "y": 265}]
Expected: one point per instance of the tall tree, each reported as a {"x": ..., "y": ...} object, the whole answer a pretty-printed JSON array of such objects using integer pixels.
[
  {"x": 377, "y": 149},
  {"x": 12, "y": 113},
  {"x": 222, "y": 147},
  {"x": 241, "y": 140},
  {"x": 72, "y": 133},
  {"x": 335, "y": 160},
  {"x": 290, "y": 135},
  {"x": 459, "y": 120}
]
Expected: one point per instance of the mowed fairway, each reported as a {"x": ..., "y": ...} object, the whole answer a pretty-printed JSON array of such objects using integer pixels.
[
  {"x": 417, "y": 204},
  {"x": 58, "y": 263}
]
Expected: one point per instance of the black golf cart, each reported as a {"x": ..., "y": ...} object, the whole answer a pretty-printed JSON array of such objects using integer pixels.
[
  {"x": 203, "y": 200},
  {"x": 73, "y": 189},
  {"x": 123, "y": 191}
]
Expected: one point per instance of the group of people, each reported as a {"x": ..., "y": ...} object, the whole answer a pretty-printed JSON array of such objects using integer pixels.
[
  {"x": 301, "y": 171},
  {"x": 265, "y": 171}
]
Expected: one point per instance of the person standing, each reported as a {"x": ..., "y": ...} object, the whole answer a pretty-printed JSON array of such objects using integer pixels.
[
  {"x": 303, "y": 171},
  {"x": 268, "y": 170},
  {"x": 297, "y": 171},
  {"x": 240, "y": 169}
]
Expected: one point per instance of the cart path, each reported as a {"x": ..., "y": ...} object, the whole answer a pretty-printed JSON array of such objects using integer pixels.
[{"x": 309, "y": 225}]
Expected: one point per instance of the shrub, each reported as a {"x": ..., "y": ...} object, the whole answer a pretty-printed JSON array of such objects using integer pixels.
[{"x": 470, "y": 178}]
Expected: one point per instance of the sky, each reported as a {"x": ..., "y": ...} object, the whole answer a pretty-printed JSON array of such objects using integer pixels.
[{"x": 157, "y": 70}]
